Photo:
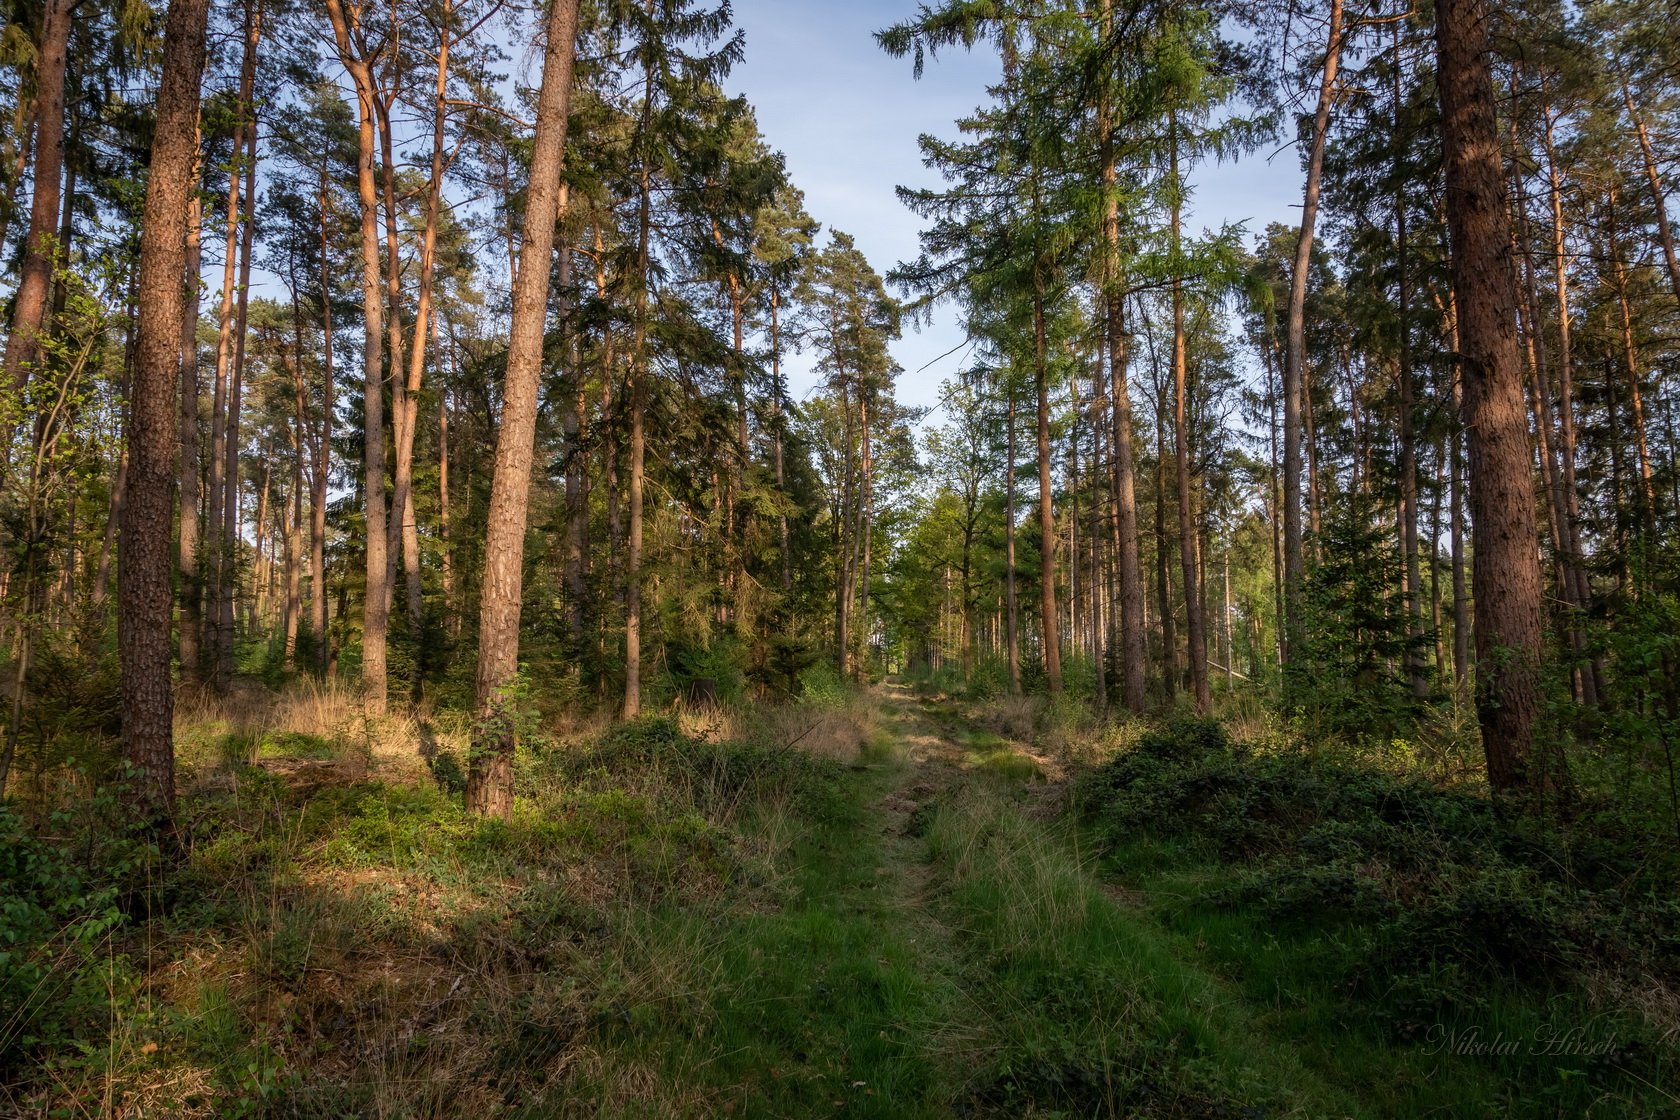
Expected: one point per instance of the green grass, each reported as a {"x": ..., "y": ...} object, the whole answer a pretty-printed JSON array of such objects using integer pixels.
[
  {"x": 672, "y": 928},
  {"x": 826, "y": 1003}
]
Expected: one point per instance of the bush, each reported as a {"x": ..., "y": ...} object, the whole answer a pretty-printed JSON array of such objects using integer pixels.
[
  {"x": 60, "y": 898},
  {"x": 1454, "y": 893},
  {"x": 820, "y": 684}
]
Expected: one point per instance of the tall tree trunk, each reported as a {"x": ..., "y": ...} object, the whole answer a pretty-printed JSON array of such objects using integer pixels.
[
  {"x": 1630, "y": 364},
  {"x": 1011, "y": 600},
  {"x": 376, "y": 599},
  {"x": 1046, "y": 497},
  {"x": 192, "y": 591},
  {"x": 1163, "y": 565},
  {"x": 404, "y": 530},
  {"x": 1415, "y": 663},
  {"x": 31, "y": 301},
  {"x": 143, "y": 580},
  {"x": 1295, "y": 361},
  {"x": 1195, "y": 623},
  {"x": 1659, "y": 198},
  {"x": 1134, "y": 652},
  {"x": 490, "y": 775},
  {"x": 1566, "y": 395},
  {"x": 323, "y": 453},
  {"x": 446, "y": 540},
  {"x": 1093, "y": 605},
  {"x": 227, "y": 589},
  {"x": 225, "y": 323},
  {"x": 1507, "y": 572},
  {"x": 776, "y": 424},
  {"x": 640, "y": 373}
]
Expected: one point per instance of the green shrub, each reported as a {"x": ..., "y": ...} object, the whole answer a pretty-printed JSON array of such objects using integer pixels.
[
  {"x": 820, "y": 684},
  {"x": 61, "y": 896},
  {"x": 1453, "y": 893}
]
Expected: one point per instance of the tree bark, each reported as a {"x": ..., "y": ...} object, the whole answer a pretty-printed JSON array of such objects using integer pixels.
[
  {"x": 143, "y": 580},
  {"x": 323, "y": 453},
  {"x": 376, "y": 607},
  {"x": 1011, "y": 600},
  {"x": 1507, "y": 571},
  {"x": 41, "y": 249},
  {"x": 490, "y": 773},
  {"x": 192, "y": 591},
  {"x": 1295, "y": 360},
  {"x": 1046, "y": 499},
  {"x": 1134, "y": 653},
  {"x": 1195, "y": 623}
]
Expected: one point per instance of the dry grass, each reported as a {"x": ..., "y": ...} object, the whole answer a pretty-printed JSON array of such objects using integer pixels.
[
  {"x": 832, "y": 731},
  {"x": 212, "y": 731}
]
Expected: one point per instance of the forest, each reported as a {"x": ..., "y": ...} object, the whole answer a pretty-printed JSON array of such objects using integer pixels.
[{"x": 489, "y": 627}]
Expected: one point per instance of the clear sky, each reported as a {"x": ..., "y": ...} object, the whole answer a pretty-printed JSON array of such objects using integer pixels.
[{"x": 848, "y": 116}]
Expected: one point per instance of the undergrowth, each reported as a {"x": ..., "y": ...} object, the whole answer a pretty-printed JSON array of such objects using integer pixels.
[
  {"x": 1424, "y": 919},
  {"x": 344, "y": 941}
]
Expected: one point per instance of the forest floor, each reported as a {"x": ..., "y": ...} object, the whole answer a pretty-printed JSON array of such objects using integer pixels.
[{"x": 882, "y": 909}]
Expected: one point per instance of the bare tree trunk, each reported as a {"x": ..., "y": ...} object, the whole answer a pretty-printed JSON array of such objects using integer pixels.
[
  {"x": 1566, "y": 398},
  {"x": 1294, "y": 370},
  {"x": 1046, "y": 499},
  {"x": 1134, "y": 652},
  {"x": 1630, "y": 362},
  {"x": 143, "y": 580},
  {"x": 1507, "y": 573},
  {"x": 490, "y": 776},
  {"x": 404, "y": 531},
  {"x": 445, "y": 537},
  {"x": 227, "y": 589},
  {"x": 323, "y": 454},
  {"x": 215, "y": 522},
  {"x": 376, "y": 600},
  {"x": 1194, "y": 614},
  {"x": 1012, "y": 603},
  {"x": 1415, "y": 663},
  {"x": 1093, "y": 605},
  {"x": 1659, "y": 198},
  {"x": 776, "y": 423},
  {"x": 192, "y": 591},
  {"x": 30, "y": 303},
  {"x": 638, "y": 388}
]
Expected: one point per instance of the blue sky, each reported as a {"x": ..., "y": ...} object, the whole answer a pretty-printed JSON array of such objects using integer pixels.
[{"x": 848, "y": 116}]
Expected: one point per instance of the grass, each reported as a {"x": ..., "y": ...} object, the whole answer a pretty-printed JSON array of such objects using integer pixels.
[{"x": 840, "y": 908}]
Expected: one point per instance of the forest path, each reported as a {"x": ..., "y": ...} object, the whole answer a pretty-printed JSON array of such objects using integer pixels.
[{"x": 947, "y": 947}]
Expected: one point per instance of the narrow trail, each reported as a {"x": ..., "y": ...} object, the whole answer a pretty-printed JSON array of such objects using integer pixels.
[{"x": 951, "y": 947}]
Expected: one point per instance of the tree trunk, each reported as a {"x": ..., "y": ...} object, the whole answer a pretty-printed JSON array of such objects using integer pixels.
[
  {"x": 1630, "y": 364},
  {"x": 192, "y": 591},
  {"x": 323, "y": 455},
  {"x": 30, "y": 303},
  {"x": 376, "y": 599},
  {"x": 143, "y": 580},
  {"x": 776, "y": 423},
  {"x": 241, "y": 232},
  {"x": 490, "y": 775},
  {"x": 1046, "y": 499},
  {"x": 1566, "y": 396},
  {"x": 1507, "y": 571},
  {"x": 1416, "y": 667},
  {"x": 1134, "y": 653},
  {"x": 1195, "y": 624},
  {"x": 1295, "y": 361},
  {"x": 1011, "y": 601},
  {"x": 1659, "y": 198}
]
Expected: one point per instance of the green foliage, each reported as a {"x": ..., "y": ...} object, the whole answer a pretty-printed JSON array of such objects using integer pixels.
[
  {"x": 1449, "y": 895},
  {"x": 61, "y": 895},
  {"x": 1349, "y": 677},
  {"x": 821, "y": 685}
]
